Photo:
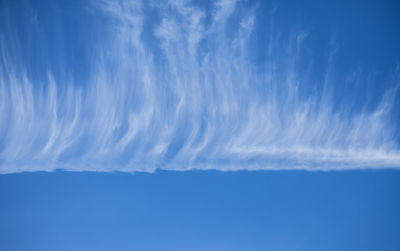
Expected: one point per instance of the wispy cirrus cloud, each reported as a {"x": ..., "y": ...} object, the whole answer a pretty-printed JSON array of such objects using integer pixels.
[{"x": 175, "y": 86}]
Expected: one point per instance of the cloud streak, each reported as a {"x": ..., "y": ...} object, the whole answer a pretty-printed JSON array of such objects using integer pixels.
[{"x": 175, "y": 86}]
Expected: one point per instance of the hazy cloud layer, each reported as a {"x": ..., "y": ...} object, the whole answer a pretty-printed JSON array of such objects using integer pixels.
[{"x": 177, "y": 86}]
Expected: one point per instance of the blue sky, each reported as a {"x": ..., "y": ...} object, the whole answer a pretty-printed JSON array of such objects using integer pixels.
[
  {"x": 180, "y": 100},
  {"x": 201, "y": 210}
]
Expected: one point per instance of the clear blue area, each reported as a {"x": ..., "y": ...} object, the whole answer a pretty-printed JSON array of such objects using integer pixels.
[{"x": 201, "y": 210}]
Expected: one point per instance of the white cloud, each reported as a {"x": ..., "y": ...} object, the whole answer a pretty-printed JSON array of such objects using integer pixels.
[{"x": 195, "y": 99}]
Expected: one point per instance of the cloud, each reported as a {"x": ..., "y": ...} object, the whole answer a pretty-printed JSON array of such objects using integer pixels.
[{"x": 176, "y": 86}]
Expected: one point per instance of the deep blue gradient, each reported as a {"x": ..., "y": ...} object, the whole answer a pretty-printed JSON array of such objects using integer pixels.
[{"x": 201, "y": 210}]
